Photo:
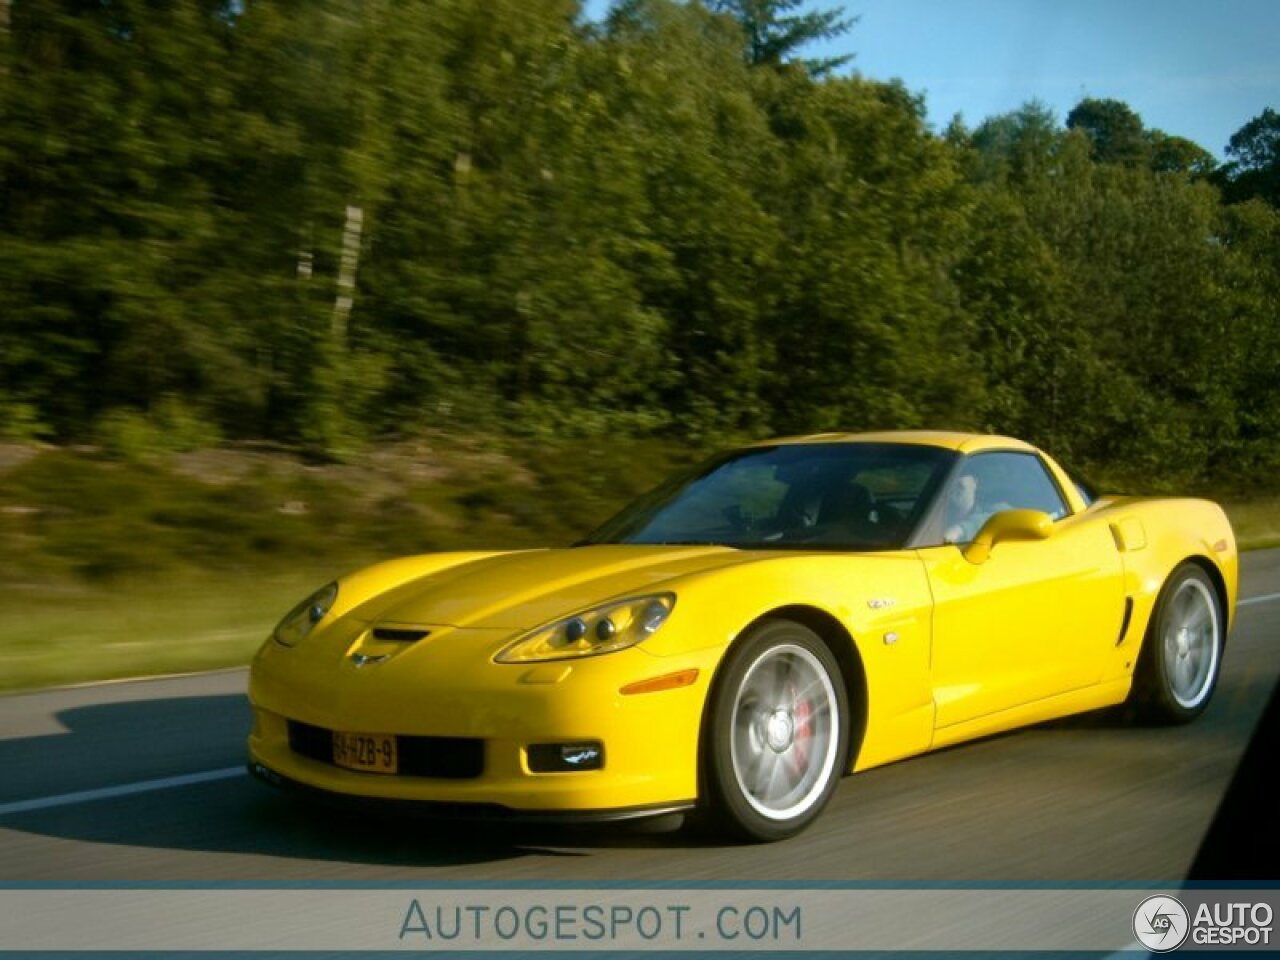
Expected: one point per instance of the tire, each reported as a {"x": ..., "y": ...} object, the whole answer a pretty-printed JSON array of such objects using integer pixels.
[
  {"x": 777, "y": 737},
  {"x": 1182, "y": 651}
]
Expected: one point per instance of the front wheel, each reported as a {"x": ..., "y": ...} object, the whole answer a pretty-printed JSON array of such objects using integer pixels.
[
  {"x": 778, "y": 734},
  {"x": 1182, "y": 652}
]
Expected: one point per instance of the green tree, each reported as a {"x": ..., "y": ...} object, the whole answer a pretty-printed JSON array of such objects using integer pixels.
[
  {"x": 1100, "y": 310},
  {"x": 866, "y": 330},
  {"x": 319, "y": 221},
  {"x": 109, "y": 216},
  {"x": 1017, "y": 147},
  {"x": 685, "y": 111},
  {"x": 1114, "y": 129},
  {"x": 775, "y": 31},
  {"x": 1172, "y": 154},
  {"x": 1249, "y": 358},
  {"x": 1253, "y": 169}
]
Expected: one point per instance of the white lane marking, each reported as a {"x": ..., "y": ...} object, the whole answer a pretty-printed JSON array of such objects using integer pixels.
[
  {"x": 164, "y": 783},
  {"x": 37, "y": 691},
  {"x": 1265, "y": 598},
  {"x": 124, "y": 790}
]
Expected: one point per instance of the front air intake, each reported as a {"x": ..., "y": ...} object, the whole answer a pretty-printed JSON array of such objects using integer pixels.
[{"x": 398, "y": 635}]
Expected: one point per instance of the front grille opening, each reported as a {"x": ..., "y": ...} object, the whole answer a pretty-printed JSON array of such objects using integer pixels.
[
  {"x": 441, "y": 758},
  {"x": 398, "y": 635}
]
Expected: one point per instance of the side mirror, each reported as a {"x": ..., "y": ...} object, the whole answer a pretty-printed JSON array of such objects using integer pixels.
[{"x": 1008, "y": 525}]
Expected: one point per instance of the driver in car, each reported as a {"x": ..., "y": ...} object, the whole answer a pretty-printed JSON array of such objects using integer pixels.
[{"x": 965, "y": 511}]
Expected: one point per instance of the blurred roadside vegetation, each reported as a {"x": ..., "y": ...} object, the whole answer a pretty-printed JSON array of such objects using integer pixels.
[
  {"x": 180, "y": 560},
  {"x": 177, "y": 561},
  {"x": 335, "y": 223},
  {"x": 81, "y": 515},
  {"x": 287, "y": 286}
]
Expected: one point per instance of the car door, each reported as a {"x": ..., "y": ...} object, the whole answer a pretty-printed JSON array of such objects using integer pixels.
[{"x": 1037, "y": 617}]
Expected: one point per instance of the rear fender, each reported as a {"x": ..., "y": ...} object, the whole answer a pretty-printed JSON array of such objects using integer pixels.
[{"x": 1155, "y": 537}]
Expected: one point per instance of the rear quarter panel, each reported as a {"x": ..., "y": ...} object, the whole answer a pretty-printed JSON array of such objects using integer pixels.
[{"x": 1155, "y": 537}]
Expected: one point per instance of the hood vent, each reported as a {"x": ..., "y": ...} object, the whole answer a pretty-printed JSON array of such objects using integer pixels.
[{"x": 399, "y": 635}]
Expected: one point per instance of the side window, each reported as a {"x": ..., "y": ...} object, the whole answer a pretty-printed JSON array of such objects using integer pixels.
[
  {"x": 991, "y": 482},
  {"x": 1084, "y": 492}
]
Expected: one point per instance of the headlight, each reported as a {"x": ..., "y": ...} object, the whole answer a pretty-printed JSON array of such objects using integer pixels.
[
  {"x": 602, "y": 630},
  {"x": 301, "y": 620}
]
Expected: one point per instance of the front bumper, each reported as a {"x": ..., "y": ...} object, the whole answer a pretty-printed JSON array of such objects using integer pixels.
[
  {"x": 448, "y": 686},
  {"x": 466, "y": 811}
]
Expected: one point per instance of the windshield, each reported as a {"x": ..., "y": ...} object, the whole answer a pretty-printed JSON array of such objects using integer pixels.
[{"x": 836, "y": 496}]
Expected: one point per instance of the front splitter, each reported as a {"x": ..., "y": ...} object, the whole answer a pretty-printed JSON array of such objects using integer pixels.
[{"x": 444, "y": 810}]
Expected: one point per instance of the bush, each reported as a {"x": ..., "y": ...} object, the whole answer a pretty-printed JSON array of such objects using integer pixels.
[
  {"x": 20, "y": 422},
  {"x": 172, "y": 427}
]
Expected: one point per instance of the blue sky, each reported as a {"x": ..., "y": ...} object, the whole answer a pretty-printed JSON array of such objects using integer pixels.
[{"x": 1195, "y": 68}]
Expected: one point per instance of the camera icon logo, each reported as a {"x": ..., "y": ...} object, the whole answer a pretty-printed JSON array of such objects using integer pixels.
[{"x": 1161, "y": 923}]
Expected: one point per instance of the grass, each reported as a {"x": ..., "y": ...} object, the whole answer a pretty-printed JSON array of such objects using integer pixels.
[
  {"x": 141, "y": 628},
  {"x": 1256, "y": 521},
  {"x": 180, "y": 562}
]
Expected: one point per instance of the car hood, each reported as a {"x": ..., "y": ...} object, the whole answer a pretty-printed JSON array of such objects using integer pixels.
[{"x": 518, "y": 591}]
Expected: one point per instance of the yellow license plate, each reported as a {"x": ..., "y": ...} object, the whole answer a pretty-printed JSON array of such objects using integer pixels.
[{"x": 368, "y": 752}]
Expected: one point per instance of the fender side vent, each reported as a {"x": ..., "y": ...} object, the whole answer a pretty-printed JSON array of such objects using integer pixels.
[
  {"x": 1118, "y": 537},
  {"x": 397, "y": 635},
  {"x": 1124, "y": 624}
]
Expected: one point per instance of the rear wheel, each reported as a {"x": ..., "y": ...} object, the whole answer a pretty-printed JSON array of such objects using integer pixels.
[
  {"x": 1182, "y": 652},
  {"x": 778, "y": 734}
]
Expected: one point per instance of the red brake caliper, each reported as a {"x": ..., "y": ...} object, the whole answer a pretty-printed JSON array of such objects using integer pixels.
[{"x": 802, "y": 733}]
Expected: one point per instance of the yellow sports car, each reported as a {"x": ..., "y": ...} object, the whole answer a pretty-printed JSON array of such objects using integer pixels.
[{"x": 737, "y": 640}]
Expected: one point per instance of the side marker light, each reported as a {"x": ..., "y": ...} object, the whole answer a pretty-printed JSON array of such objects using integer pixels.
[{"x": 668, "y": 681}]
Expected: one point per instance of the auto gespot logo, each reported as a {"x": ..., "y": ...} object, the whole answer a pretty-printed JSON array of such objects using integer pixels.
[{"x": 1161, "y": 923}]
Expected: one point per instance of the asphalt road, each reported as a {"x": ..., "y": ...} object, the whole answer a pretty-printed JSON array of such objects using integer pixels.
[{"x": 83, "y": 796}]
